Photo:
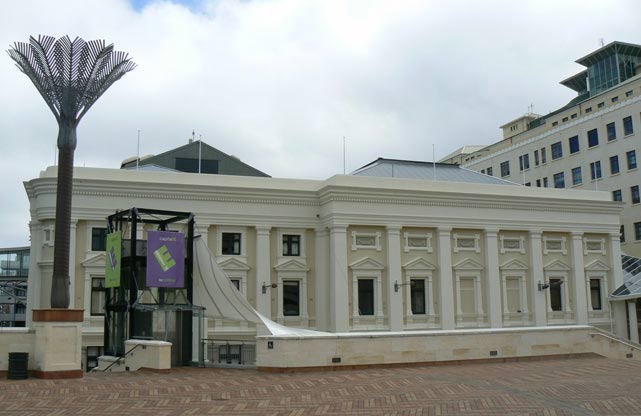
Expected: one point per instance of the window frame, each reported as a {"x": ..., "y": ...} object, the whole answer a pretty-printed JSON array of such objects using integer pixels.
[
  {"x": 614, "y": 159},
  {"x": 97, "y": 290},
  {"x": 593, "y": 138},
  {"x": 631, "y": 159},
  {"x": 628, "y": 127},
  {"x": 577, "y": 176},
  {"x": 611, "y": 130},
  {"x": 505, "y": 169},
  {"x": 635, "y": 198},
  {"x": 556, "y": 150},
  {"x": 574, "y": 145},
  {"x": 559, "y": 178}
]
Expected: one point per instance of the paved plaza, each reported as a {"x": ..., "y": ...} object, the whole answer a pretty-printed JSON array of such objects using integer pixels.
[{"x": 579, "y": 386}]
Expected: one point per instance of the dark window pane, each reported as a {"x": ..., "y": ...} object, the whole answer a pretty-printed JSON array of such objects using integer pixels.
[
  {"x": 291, "y": 245},
  {"x": 637, "y": 230},
  {"x": 559, "y": 180},
  {"x": 98, "y": 239},
  {"x": 98, "y": 296},
  {"x": 366, "y": 296},
  {"x": 627, "y": 126},
  {"x": 417, "y": 295},
  {"x": 557, "y": 150},
  {"x": 614, "y": 165},
  {"x": 593, "y": 138},
  {"x": 634, "y": 192},
  {"x": 291, "y": 298},
  {"x": 576, "y": 176},
  {"x": 556, "y": 302},
  {"x": 612, "y": 132},
  {"x": 574, "y": 144},
  {"x": 595, "y": 294},
  {"x": 231, "y": 244},
  {"x": 632, "y": 159},
  {"x": 616, "y": 195},
  {"x": 505, "y": 169}
]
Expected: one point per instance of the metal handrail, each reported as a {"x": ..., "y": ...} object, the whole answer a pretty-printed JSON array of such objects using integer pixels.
[
  {"x": 610, "y": 337},
  {"x": 118, "y": 359}
]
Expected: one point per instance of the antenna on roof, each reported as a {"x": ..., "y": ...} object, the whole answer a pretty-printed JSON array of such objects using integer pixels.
[
  {"x": 530, "y": 108},
  {"x": 434, "y": 160},
  {"x": 138, "y": 151},
  {"x": 200, "y": 152},
  {"x": 601, "y": 42}
]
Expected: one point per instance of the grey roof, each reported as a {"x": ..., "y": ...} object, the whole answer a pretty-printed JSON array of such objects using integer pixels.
[
  {"x": 151, "y": 168},
  {"x": 631, "y": 287},
  {"x": 407, "y": 169}
]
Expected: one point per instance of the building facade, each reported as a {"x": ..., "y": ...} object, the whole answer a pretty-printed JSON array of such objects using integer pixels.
[
  {"x": 14, "y": 270},
  {"x": 354, "y": 253},
  {"x": 592, "y": 143}
]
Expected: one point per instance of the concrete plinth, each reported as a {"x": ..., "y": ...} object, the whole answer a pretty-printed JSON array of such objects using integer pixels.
[{"x": 58, "y": 343}]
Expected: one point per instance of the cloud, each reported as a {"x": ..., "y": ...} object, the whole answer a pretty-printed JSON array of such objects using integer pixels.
[{"x": 280, "y": 82}]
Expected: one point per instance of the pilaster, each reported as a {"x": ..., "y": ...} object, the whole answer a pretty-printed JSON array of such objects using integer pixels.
[
  {"x": 394, "y": 274},
  {"x": 321, "y": 278},
  {"x": 446, "y": 293},
  {"x": 338, "y": 288},
  {"x": 539, "y": 311},
  {"x": 632, "y": 314},
  {"x": 72, "y": 263},
  {"x": 618, "y": 308},
  {"x": 493, "y": 278},
  {"x": 263, "y": 271},
  {"x": 34, "y": 280},
  {"x": 578, "y": 279}
]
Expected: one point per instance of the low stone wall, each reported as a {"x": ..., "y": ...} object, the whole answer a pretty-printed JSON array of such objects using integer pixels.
[
  {"x": 15, "y": 340},
  {"x": 282, "y": 353}
]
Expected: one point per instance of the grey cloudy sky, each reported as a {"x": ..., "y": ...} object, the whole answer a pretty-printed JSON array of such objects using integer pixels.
[{"x": 280, "y": 82}]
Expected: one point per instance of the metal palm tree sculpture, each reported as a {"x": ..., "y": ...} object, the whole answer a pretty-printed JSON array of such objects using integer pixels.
[{"x": 70, "y": 76}]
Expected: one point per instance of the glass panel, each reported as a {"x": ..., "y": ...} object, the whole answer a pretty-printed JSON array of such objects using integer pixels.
[
  {"x": 512, "y": 286},
  {"x": 556, "y": 302},
  {"x": 417, "y": 295},
  {"x": 468, "y": 303},
  {"x": 291, "y": 298},
  {"x": 366, "y": 296},
  {"x": 98, "y": 239},
  {"x": 595, "y": 294},
  {"x": 231, "y": 244}
]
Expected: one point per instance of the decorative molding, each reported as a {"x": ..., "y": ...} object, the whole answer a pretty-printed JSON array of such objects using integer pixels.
[
  {"x": 361, "y": 240},
  {"x": 468, "y": 264},
  {"x": 514, "y": 264},
  {"x": 413, "y": 241},
  {"x": 555, "y": 245},
  {"x": 556, "y": 266},
  {"x": 418, "y": 264},
  {"x": 291, "y": 265},
  {"x": 366, "y": 263},
  {"x": 594, "y": 246},
  {"x": 97, "y": 260},
  {"x": 512, "y": 244},
  {"x": 232, "y": 263},
  {"x": 466, "y": 242},
  {"x": 597, "y": 266}
]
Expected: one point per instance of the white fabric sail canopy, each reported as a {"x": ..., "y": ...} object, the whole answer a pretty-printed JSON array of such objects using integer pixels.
[{"x": 217, "y": 294}]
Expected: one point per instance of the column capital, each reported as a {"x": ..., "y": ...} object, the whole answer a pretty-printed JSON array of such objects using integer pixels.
[
  {"x": 321, "y": 231},
  {"x": 576, "y": 235},
  {"x": 337, "y": 229},
  {"x": 535, "y": 233},
  {"x": 491, "y": 232},
  {"x": 615, "y": 236},
  {"x": 444, "y": 230},
  {"x": 263, "y": 229},
  {"x": 393, "y": 229}
]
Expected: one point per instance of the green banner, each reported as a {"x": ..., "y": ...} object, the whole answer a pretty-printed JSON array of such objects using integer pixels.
[{"x": 112, "y": 262}]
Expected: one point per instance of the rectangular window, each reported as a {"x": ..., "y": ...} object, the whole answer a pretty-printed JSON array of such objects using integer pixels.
[
  {"x": 628, "y": 93},
  {"x": 593, "y": 138},
  {"x": 612, "y": 131},
  {"x": 365, "y": 297},
  {"x": 236, "y": 283},
  {"x": 291, "y": 297},
  {"x": 627, "y": 126},
  {"x": 291, "y": 245},
  {"x": 98, "y": 239},
  {"x": 505, "y": 169},
  {"x": 614, "y": 165},
  {"x": 573, "y": 116},
  {"x": 588, "y": 110},
  {"x": 574, "y": 144},
  {"x": 231, "y": 244},
  {"x": 528, "y": 183},
  {"x": 536, "y": 158},
  {"x": 543, "y": 156},
  {"x": 634, "y": 193},
  {"x": 637, "y": 230},
  {"x": 576, "y": 176},
  {"x": 417, "y": 295},
  {"x": 555, "y": 123},
  {"x": 564, "y": 119},
  {"x": 595, "y": 170},
  {"x": 538, "y": 183},
  {"x": 192, "y": 165},
  {"x": 622, "y": 234},
  {"x": 98, "y": 292},
  {"x": 557, "y": 150},
  {"x": 616, "y": 195},
  {"x": 524, "y": 162},
  {"x": 513, "y": 294},
  {"x": 489, "y": 171},
  {"x": 468, "y": 301},
  {"x": 545, "y": 182},
  {"x": 601, "y": 105},
  {"x": 614, "y": 99},
  {"x": 595, "y": 294},
  {"x": 556, "y": 298},
  {"x": 632, "y": 159},
  {"x": 559, "y": 180}
]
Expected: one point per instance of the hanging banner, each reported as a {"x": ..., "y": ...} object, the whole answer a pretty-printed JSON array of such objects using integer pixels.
[
  {"x": 112, "y": 262},
  {"x": 165, "y": 259}
]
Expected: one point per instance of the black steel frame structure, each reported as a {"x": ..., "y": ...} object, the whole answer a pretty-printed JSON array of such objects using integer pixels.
[{"x": 125, "y": 314}]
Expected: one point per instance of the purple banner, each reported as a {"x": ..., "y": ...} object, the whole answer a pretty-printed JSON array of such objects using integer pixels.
[{"x": 165, "y": 259}]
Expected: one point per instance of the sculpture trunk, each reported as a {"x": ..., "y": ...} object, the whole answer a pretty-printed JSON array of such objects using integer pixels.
[{"x": 60, "y": 280}]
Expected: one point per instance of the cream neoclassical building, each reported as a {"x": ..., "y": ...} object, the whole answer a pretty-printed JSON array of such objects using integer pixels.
[{"x": 357, "y": 253}]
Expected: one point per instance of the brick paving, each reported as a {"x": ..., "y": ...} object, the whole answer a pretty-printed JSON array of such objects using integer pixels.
[{"x": 582, "y": 386}]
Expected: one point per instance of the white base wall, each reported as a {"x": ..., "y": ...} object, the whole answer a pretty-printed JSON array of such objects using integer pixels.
[{"x": 434, "y": 346}]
